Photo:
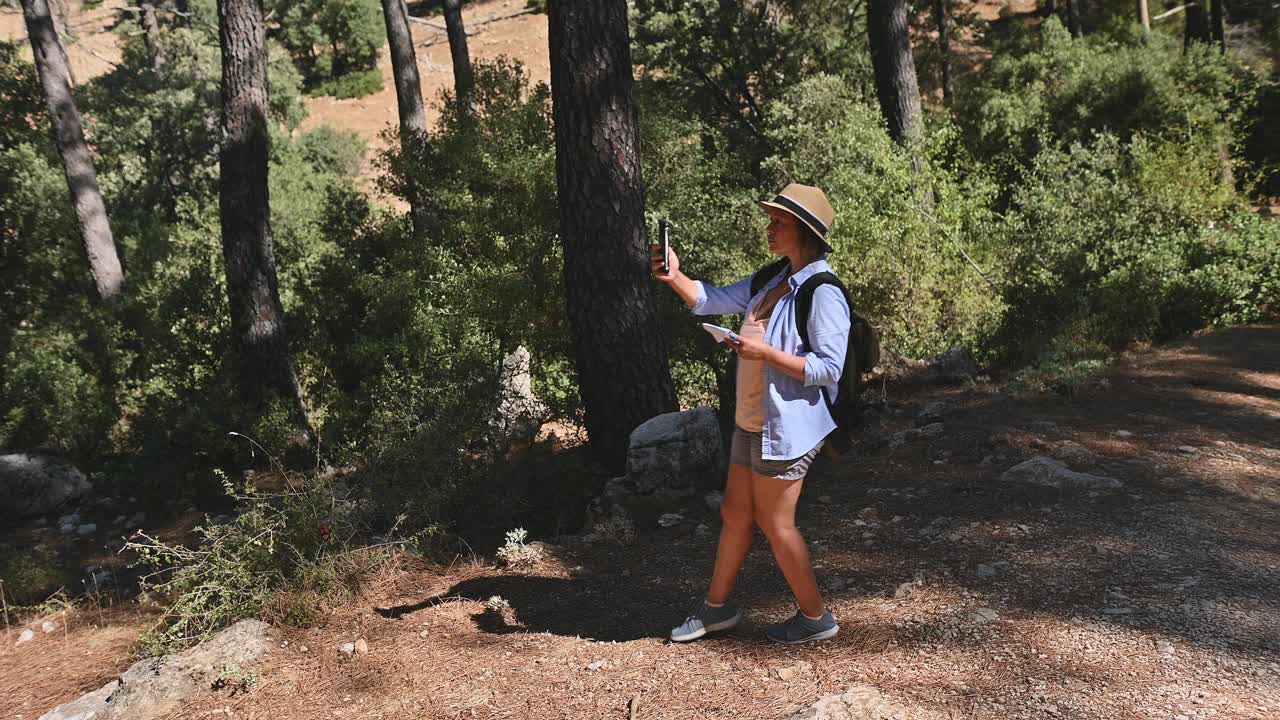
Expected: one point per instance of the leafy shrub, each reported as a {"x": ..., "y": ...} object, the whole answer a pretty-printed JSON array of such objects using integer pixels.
[
  {"x": 1045, "y": 90},
  {"x": 1119, "y": 243},
  {"x": 297, "y": 545},
  {"x": 330, "y": 38},
  {"x": 355, "y": 84},
  {"x": 897, "y": 250}
]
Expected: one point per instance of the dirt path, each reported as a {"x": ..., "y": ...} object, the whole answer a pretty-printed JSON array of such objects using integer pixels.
[{"x": 960, "y": 596}]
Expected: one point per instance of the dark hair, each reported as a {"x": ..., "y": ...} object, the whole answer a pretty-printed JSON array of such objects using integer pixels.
[{"x": 812, "y": 237}]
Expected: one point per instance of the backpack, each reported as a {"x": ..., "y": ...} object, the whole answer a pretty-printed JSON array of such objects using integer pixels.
[{"x": 861, "y": 356}]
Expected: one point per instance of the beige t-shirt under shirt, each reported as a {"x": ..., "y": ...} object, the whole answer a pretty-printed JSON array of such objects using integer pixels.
[{"x": 750, "y": 383}]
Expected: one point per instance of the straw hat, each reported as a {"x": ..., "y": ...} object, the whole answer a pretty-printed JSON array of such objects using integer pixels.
[{"x": 809, "y": 205}]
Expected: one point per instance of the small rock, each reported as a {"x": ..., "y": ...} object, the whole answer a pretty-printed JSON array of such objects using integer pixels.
[
  {"x": 824, "y": 499},
  {"x": 347, "y": 649},
  {"x": 26, "y": 636},
  {"x": 786, "y": 674},
  {"x": 594, "y": 666},
  {"x": 66, "y": 529},
  {"x": 303, "y": 648},
  {"x": 868, "y": 536},
  {"x": 1117, "y": 611},
  {"x": 1122, "y": 434},
  {"x": 72, "y": 519},
  {"x": 670, "y": 520},
  {"x": 135, "y": 520},
  {"x": 86, "y": 529},
  {"x": 1164, "y": 647},
  {"x": 985, "y": 570},
  {"x": 48, "y": 627},
  {"x": 702, "y": 529},
  {"x": 932, "y": 430},
  {"x": 1187, "y": 449},
  {"x": 982, "y": 616},
  {"x": 1048, "y": 472},
  {"x": 932, "y": 413},
  {"x": 361, "y": 646},
  {"x": 119, "y": 520},
  {"x": 712, "y": 500}
]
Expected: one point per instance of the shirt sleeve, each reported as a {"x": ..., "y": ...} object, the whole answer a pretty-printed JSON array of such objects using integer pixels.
[
  {"x": 726, "y": 300},
  {"x": 828, "y": 337}
]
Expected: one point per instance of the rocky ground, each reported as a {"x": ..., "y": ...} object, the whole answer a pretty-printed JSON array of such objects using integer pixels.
[{"x": 1146, "y": 585}]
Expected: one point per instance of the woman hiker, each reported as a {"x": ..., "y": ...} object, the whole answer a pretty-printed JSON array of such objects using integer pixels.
[{"x": 781, "y": 418}]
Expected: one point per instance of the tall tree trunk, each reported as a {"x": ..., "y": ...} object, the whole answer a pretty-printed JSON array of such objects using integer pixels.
[
  {"x": 77, "y": 163},
  {"x": 623, "y": 372},
  {"x": 464, "y": 82},
  {"x": 257, "y": 317},
  {"x": 1197, "y": 27},
  {"x": 413, "y": 118},
  {"x": 1218, "y": 24},
  {"x": 1075, "y": 18},
  {"x": 151, "y": 35},
  {"x": 894, "y": 66},
  {"x": 1144, "y": 17},
  {"x": 940, "y": 16}
]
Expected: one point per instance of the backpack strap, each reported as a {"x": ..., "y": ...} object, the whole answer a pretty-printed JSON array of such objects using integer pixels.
[
  {"x": 762, "y": 276},
  {"x": 804, "y": 304}
]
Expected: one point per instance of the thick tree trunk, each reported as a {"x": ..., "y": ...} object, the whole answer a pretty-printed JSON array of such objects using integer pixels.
[
  {"x": 940, "y": 16},
  {"x": 464, "y": 82},
  {"x": 1075, "y": 17},
  {"x": 623, "y": 372},
  {"x": 895, "y": 67},
  {"x": 413, "y": 118},
  {"x": 257, "y": 317},
  {"x": 1218, "y": 24},
  {"x": 77, "y": 163},
  {"x": 151, "y": 35},
  {"x": 1197, "y": 27}
]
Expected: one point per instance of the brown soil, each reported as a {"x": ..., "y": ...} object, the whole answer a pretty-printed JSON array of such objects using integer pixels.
[{"x": 1156, "y": 601}]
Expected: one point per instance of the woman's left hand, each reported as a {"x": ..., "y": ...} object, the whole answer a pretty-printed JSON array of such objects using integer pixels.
[{"x": 750, "y": 348}]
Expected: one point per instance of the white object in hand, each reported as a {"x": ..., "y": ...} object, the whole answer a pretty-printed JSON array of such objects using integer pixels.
[{"x": 720, "y": 333}]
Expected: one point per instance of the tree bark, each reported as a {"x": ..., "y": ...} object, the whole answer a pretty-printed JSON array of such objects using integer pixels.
[
  {"x": 151, "y": 35},
  {"x": 413, "y": 117},
  {"x": 77, "y": 163},
  {"x": 257, "y": 316},
  {"x": 624, "y": 375},
  {"x": 464, "y": 82},
  {"x": 1144, "y": 17},
  {"x": 1197, "y": 27},
  {"x": 944, "y": 47},
  {"x": 895, "y": 67},
  {"x": 1075, "y": 18},
  {"x": 1218, "y": 24}
]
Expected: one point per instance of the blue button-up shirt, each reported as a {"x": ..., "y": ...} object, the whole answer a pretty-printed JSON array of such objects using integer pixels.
[{"x": 795, "y": 415}]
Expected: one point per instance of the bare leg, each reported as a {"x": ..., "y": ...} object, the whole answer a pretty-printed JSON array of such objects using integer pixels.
[
  {"x": 735, "y": 534},
  {"x": 775, "y": 513}
]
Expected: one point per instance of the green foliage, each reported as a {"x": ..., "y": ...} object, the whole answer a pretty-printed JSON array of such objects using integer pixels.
[
  {"x": 30, "y": 575},
  {"x": 355, "y": 84},
  {"x": 728, "y": 60},
  {"x": 1122, "y": 243},
  {"x": 298, "y": 543},
  {"x": 330, "y": 38},
  {"x": 1046, "y": 91},
  {"x": 897, "y": 254}
]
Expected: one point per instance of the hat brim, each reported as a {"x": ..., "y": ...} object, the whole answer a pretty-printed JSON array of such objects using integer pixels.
[{"x": 822, "y": 238}]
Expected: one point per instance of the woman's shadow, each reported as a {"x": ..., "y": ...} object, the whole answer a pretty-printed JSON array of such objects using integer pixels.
[{"x": 603, "y": 608}]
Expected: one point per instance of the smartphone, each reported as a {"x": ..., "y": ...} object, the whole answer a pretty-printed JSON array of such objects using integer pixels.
[{"x": 664, "y": 232}]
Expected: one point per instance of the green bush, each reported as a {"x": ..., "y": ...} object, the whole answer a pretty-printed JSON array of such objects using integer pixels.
[
  {"x": 1047, "y": 91},
  {"x": 355, "y": 84},
  {"x": 1119, "y": 243},
  {"x": 330, "y": 38},
  {"x": 897, "y": 250},
  {"x": 285, "y": 556}
]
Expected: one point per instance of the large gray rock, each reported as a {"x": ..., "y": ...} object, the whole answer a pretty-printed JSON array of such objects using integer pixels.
[
  {"x": 672, "y": 450},
  {"x": 954, "y": 366},
  {"x": 36, "y": 483},
  {"x": 1053, "y": 473},
  {"x": 154, "y": 687},
  {"x": 520, "y": 414},
  {"x": 860, "y": 702}
]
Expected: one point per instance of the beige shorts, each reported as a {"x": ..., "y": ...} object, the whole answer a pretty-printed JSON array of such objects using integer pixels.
[{"x": 745, "y": 450}]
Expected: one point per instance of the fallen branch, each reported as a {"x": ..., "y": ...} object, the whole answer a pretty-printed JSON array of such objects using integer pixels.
[{"x": 1167, "y": 13}]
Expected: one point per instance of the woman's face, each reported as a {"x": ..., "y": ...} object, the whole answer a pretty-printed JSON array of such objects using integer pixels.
[{"x": 785, "y": 235}]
